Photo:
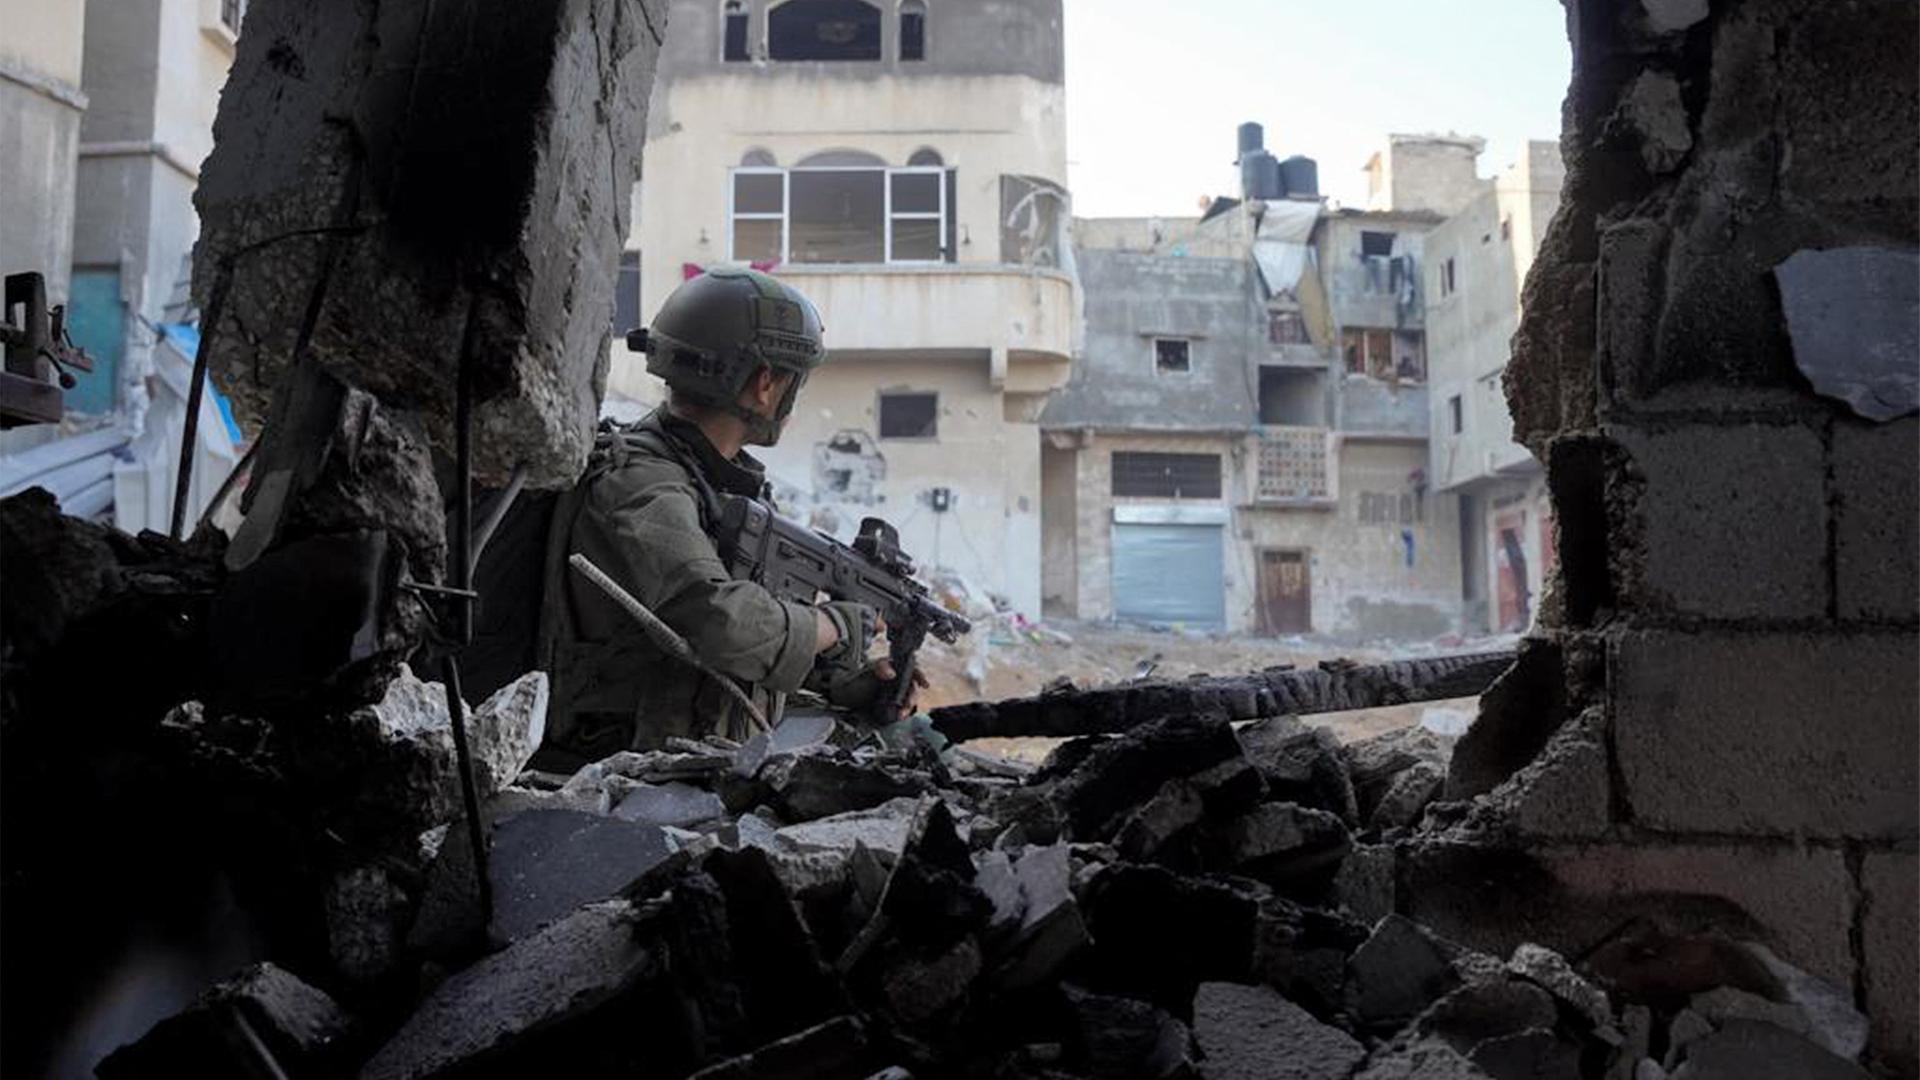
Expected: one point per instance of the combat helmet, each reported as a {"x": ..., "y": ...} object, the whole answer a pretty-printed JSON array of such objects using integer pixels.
[{"x": 718, "y": 328}]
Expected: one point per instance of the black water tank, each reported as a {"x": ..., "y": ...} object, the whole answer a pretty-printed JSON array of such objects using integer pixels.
[
  {"x": 1300, "y": 176},
  {"x": 1252, "y": 137},
  {"x": 1260, "y": 175}
]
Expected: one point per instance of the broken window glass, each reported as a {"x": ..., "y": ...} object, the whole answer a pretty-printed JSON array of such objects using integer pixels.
[
  {"x": 824, "y": 30},
  {"x": 734, "y": 39},
  {"x": 1409, "y": 356},
  {"x": 837, "y": 215},
  {"x": 909, "y": 416},
  {"x": 913, "y": 30},
  {"x": 1033, "y": 217},
  {"x": 1286, "y": 328},
  {"x": 1171, "y": 356}
]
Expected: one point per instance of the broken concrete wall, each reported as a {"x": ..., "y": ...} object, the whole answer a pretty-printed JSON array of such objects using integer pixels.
[
  {"x": 1736, "y": 594},
  {"x": 421, "y": 176}
]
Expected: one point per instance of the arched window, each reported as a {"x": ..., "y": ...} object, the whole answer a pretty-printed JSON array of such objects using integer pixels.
[
  {"x": 913, "y": 29},
  {"x": 758, "y": 158},
  {"x": 841, "y": 159},
  {"x": 824, "y": 30},
  {"x": 926, "y": 157},
  {"x": 733, "y": 30}
]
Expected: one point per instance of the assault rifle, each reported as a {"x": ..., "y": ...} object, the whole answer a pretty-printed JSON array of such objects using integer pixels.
[{"x": 796, "y": 562}]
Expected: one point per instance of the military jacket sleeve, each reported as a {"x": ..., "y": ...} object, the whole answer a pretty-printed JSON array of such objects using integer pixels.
[{"x": 651, "y": 542}]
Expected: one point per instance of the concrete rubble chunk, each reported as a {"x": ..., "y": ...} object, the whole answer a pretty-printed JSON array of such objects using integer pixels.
[
  {"x": 819, "y": 782},
  {"x": 1407, "y": 797},
  {"x": 545, "y": 863},
  {"x": 1120, "y": 774},
  {"x": 1685, "y": 1028},
  {"x": 559, "y": 975},
  {"x": 831, "y": 1050},
  {"x": 1420, "y": 1060},
  {"x": 1667, "y": 16},
  {"x": 1653, "y": 112},
  {"x": 300, "y": 1026},
  {"x": 1302, "y": 952},
  {"x": 1374, "y": 762},
  {"x": 1478, "y": 1012},
  {"x": 1546, "y": 968},
  {"x": 1052, "y": 928},
  {"x": 1176, "y": 807},
  {"x": 1752, "y": 1050},
  {"x": 1301, "y": 764},
  {"x": 673, "y": 803},
  {"x": 1831, "y": 1019},
  {"x": 1252, "y": 1033},
  {"x": 1365, "y": 886},
  {"x": 1853, "y": 316},
  {"x": 796, "y": 732},
  {"x": 367, "y": 915},
  {"x": 1127, "y": 1039},
  {"x": 1282, "y": 843},
  {"x": 1158, "y": 930},
  {"x": 1398, "y": 972},
  {"x": 881, "y": 829},
  {"x": 1537, "y": 1054}
]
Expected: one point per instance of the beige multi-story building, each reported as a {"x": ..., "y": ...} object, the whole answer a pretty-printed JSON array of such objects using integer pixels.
[
  {"x": 903, "y": 163},
  {"x": 106, "y": 111},
  {"x": 41, "y": 105},
  {"x": 1243, "y": 444},
  {"x": 1476, "y": 263}
]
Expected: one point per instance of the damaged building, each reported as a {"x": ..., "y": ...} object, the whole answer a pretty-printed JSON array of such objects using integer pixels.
[
  {"x": 1476, "y": 262},
  {"x": 1244, "y": 445},
  {"x": 254, "y": 825},
  {"x": 842, "y": 144}
]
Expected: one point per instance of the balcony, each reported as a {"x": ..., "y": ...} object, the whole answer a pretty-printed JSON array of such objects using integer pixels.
[{"x": 1019, "y": 318}]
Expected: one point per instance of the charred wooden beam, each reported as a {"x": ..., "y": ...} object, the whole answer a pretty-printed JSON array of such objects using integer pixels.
[{"x": 1334, "y": 686}]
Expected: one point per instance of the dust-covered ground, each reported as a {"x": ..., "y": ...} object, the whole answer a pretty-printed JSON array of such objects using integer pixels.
[{"x": 1006, "y": 658}]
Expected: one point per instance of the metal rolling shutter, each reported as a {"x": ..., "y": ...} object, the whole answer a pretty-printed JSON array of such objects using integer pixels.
[{"x": 1164, "y": 573}]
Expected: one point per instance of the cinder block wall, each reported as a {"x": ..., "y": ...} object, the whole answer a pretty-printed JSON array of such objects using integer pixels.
[{"x": 1734, "y": 631}]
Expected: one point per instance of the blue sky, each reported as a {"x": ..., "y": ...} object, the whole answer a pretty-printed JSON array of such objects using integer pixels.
[{"x": 1156, "y": 88}]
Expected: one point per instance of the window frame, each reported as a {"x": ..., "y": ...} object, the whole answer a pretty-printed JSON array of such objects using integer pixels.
[
  {"x": 879, "y": 403},
  {"x": 238, "y": 8},
  {"x": 783, "y": 217},
  {"x": 727, "y": 14},
  {"x": 887, "y": 214},
  {"x": 900, "y": 31},
  {"x": 1153, "y": 354},
  {"x": 1457, "y": 412},
  {"x": 1214, "y": 491},
  {"x": 766, "y": 36}
]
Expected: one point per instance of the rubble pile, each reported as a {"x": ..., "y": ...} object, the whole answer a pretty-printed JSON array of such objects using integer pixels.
[{"x": 1190, "y": 898}]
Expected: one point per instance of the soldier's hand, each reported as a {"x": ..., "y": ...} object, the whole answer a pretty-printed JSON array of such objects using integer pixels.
[
  {"x": 854, "y": 628},
  {"x": 883, "y": 669}
]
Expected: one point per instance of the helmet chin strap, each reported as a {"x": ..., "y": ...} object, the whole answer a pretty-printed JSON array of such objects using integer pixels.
[{"x": 763, "y": 430}]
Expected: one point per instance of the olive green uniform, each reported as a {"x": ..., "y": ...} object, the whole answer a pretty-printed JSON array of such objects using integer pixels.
[{"x": 640, "y": 514}]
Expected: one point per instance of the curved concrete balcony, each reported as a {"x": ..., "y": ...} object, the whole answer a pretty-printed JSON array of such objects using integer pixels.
[{"x": 1019, "y": 319}]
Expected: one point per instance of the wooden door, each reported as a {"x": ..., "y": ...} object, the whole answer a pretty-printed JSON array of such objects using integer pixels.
[{"x": 1286, "y": 596}]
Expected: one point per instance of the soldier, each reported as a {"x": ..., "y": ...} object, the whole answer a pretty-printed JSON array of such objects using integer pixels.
[{"x": 734, "y": 347}]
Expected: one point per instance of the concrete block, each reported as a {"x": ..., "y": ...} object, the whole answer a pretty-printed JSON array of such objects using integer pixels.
[
  {"x": 1783, "y": 734},
  {"x": 1631, "y": 274},
  {"x": 1732, "y": 522},
  {"x": 1803, "y": 897},
  {"x": 1876, "y": 520},
  {"x": 1571, "y": 898},
  {"x": 1250, "y": 1031},
  {"x": 1890, "y": 884}
]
